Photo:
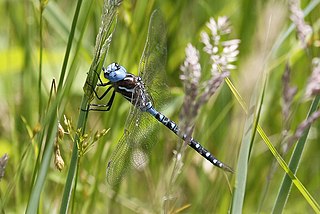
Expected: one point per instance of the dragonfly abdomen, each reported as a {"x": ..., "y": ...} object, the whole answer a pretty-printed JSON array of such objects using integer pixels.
[
  {"x": 164, "y": 120},
  {"x": 207, "y": 155},
  {"x": 191, "y": 142}
]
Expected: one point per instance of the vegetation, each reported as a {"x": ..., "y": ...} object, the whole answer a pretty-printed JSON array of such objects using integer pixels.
[{"x": 263, "y": 117}]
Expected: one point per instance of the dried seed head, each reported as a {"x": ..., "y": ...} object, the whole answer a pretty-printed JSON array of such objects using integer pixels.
[
  {"x": 304, "y": 30},
  {"x": 313, "y": 87},
  {"x": 222, "y": 53},
  {"x": 60, "y": 131},
  {"x": 3, "y": 164},
  {"x": 58, "y": 160}
]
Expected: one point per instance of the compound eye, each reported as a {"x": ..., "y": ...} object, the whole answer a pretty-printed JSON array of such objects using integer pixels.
[
  {"x": 117, "y": 66},
  {"x": 108, "y": 70}
]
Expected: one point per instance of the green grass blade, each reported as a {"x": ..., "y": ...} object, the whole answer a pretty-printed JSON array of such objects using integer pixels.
[
  {"x": 284, "y": 191},
  {"x": 292, "y": 176},
  {"x": 50, "y": 128},
  {"x": 40, "y": 61},
  {"x": 245, "y": 151},
  {"x": 51, "y": 131},
  {"x": 33, "y": 203},
  {"x": 102, "y": 44},
  {"x": 69, "y": 44},
  {"x": 275, "y": 153}
]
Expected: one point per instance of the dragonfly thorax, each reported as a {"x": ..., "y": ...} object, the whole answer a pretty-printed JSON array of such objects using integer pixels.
[
  {"x": 114, "y": 72},
  {"x": 140, "y": 98},
  {"x": 129, "y": 86}
]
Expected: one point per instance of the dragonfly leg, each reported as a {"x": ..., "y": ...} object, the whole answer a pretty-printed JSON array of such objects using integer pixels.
[
  {"x": 104, "y": 93},
  {"x": 107, "y": 106},
  {"x": 99, "y": 85},
  {"x": 100, "y": 97},
  {"x": 100, "y": 80}
]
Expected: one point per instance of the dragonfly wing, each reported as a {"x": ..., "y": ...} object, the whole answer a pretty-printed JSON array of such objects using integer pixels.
[
  {"x": 118, "y": 164},
  {"x": 134, "y": 147},
  {"x": 153, "y": 60},
  {"x": 140, "y": 133},
  {"x": 120, "y": 161}
]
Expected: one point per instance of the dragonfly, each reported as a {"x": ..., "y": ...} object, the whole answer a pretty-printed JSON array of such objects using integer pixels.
[{"x": 143, "y": 92}]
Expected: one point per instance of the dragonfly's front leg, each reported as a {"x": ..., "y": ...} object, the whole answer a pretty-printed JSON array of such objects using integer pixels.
[
  {"x": 104, "y": 93},
  {"x": 100, "y": 80},
  {"x": 108, "y": 105}
]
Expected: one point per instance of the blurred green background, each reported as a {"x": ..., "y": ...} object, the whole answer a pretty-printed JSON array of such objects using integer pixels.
[{"x": 268, "y": 42}]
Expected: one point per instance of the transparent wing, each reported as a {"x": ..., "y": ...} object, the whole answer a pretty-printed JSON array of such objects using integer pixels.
[
  {"x": 134, "y": 146},
  {"x": 139, "y": 136},
  {"x": 154, "y": 58},
  {"x": 119, "y": 162}
]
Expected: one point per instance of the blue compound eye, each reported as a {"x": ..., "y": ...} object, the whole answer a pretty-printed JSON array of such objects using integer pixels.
[
  {"x": 115, "y": 72},
  {"x": 117, "y": 66}
]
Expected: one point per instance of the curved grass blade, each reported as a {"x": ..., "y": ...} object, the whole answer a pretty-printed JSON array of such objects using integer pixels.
[
  {"x": 275, "y": 153},
  {"x": 50, "y": 129},
  {"x": 286, "y": 184},
  {"x": 245, "y": 151}
]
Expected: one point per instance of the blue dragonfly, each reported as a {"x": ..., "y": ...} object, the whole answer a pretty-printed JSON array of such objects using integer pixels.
[{"x": 143, "y": 92}]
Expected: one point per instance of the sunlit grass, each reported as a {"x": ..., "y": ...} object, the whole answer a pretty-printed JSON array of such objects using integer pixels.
[{"x": 224, "y": 125}]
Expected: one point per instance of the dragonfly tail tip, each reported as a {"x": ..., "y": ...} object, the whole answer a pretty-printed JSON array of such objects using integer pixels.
[{"x": 227, "y": 168}]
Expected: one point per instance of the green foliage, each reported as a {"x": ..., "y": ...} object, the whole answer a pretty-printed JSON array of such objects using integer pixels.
[{"x": 46, "y": 40}]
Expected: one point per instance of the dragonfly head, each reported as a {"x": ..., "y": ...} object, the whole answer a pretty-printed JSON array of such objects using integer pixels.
[{"x": 114, "y": 72}]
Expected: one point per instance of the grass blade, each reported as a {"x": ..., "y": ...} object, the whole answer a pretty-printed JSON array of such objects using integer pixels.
[
  {"x": 245, "y": 151},
  {"x": 69, "y": 44},
  {"x": 275, "y": 153},
  {"x": 102, "y": 45},
  {"x": 45, "y": 162},
  {"x": 284, "y": 191}
]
